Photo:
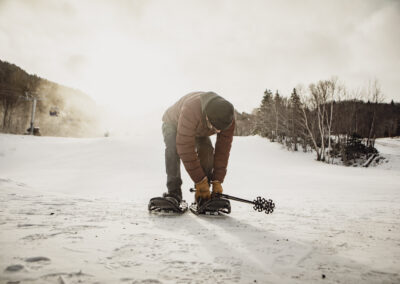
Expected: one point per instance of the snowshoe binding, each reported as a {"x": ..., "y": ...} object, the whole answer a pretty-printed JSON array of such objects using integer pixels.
[
  {"x": 214, "y": 206},
  {"x": 167, "y": 204}
]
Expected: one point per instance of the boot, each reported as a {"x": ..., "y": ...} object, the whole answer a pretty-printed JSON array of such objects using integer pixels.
[{"x": 174, "y": 196}]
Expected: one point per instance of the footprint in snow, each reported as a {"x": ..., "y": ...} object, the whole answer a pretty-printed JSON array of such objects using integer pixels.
[
  {"x": 14, "y": 268},
  {"x": 37, "y": 259},
  {"x": 147, "y": 281}
]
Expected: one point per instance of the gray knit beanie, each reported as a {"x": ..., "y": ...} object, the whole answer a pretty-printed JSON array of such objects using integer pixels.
[{"x": 220, "y": 112}]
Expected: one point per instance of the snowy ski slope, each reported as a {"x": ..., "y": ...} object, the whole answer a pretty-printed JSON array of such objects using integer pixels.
[{"x": 75, "y": 210}]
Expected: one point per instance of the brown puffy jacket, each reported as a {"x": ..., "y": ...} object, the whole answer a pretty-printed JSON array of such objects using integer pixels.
[{"x": 188, "y": 114}]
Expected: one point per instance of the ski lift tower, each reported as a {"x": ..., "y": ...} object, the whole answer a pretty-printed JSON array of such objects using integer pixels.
[{"x": 34, "y": 100}]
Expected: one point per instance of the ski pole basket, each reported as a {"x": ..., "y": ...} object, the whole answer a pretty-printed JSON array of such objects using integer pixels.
[{"x": 261, "y": 204}]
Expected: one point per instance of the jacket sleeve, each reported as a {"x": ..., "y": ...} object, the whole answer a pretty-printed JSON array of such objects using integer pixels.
[
  {"x": 186, "y": 145},
  {"x": 222, "y": 150}
]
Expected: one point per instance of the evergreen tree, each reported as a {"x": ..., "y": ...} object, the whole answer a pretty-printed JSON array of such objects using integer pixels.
[
  {"x": 277, "y": 113},
  {"x": 264, "y": 113},
  {"x": 295, "y": 119}
]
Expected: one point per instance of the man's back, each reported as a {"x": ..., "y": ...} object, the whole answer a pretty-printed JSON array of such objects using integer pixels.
[{"x": 172, "y": 114}]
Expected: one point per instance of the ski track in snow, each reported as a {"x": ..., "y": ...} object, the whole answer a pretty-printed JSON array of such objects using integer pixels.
[{"x": 345, "y": 235}]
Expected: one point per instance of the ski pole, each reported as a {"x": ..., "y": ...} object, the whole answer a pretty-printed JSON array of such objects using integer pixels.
[{"x": 260, "y": 203}]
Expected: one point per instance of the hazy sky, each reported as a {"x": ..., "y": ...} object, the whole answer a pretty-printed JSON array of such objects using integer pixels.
[{"x": 141, "y": 56}]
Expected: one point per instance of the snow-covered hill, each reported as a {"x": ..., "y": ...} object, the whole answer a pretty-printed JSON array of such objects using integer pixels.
[{"x": 75, "y": 210}]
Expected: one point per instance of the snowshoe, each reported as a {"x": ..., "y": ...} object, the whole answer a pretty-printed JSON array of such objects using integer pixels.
[
  {"x": 167, "y": 204},
  {"x": 214, "y": 206}
]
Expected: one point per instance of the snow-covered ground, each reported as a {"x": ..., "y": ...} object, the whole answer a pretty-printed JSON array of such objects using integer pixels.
[
  {"x": 75, "y": 210},
  {"x": 389, "y": 149}
]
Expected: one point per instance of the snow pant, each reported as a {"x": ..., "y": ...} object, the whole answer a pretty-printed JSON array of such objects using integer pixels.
[{"x": 205, "y": 152}]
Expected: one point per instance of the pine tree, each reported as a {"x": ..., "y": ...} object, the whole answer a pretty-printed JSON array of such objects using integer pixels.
[
  {"x": 264, "y": 113},
  {"x": 295, "y": 119},
  {"x": 277, "y": 108}
]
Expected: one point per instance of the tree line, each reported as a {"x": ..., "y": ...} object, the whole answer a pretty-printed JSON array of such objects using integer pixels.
[
  {"x": 60, "y": 111},
  {"x": 328, "y": 118}
]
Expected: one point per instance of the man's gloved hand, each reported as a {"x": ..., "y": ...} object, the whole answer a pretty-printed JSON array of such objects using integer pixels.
[
  {"x": 216, "y": 187},
  {"x": 202, "y": 190}
]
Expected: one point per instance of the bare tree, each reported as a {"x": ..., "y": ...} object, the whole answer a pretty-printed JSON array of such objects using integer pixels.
[
  {"x": 318, "y": 103},
  {"x": 308, "y": 121},
  {"x": 9, "y": 99},
  {"x": 317, "y": 109},
  {"x": 375, "y": 96},
  {"x": 334, "y": 94}
]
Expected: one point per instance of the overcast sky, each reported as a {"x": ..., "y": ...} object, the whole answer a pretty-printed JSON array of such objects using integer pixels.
[{"x": 143, "y": 55}]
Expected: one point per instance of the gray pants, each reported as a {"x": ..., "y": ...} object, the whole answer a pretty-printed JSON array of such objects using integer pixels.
[{"x": 205, "y": 152}]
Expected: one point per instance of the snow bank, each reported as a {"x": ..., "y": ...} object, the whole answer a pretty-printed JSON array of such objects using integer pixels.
[{"x": 389, "y": 149}]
